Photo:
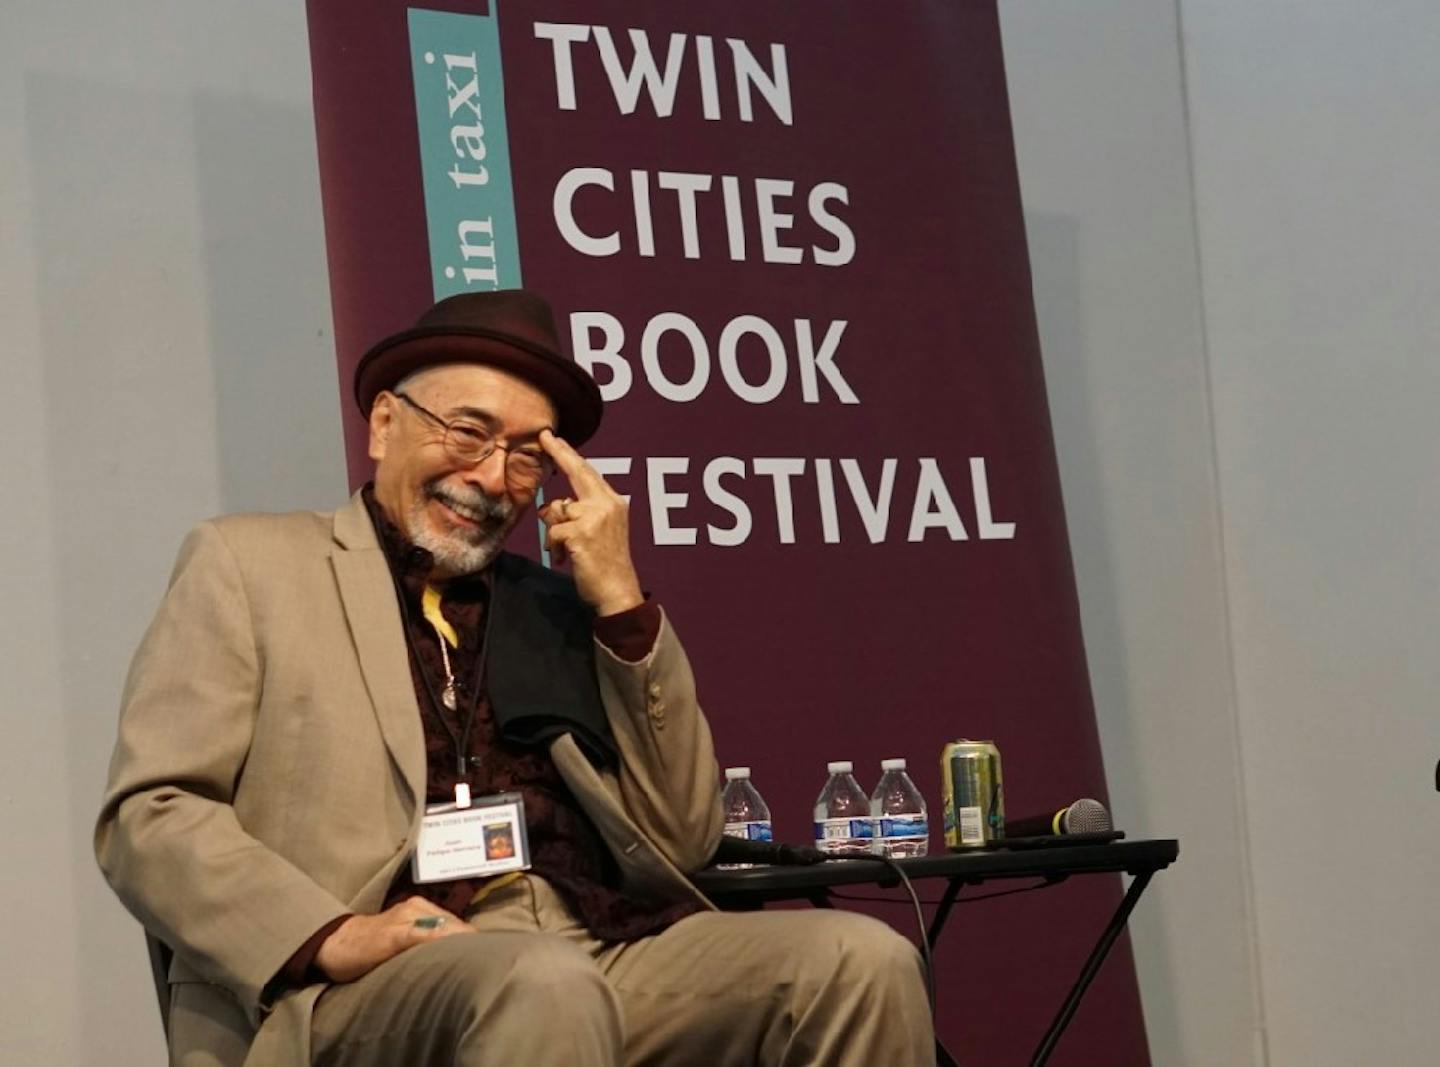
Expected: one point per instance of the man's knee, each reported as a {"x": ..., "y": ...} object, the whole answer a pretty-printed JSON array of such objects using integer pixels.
[
  {"x": 544, "y": 977},
  {"x": 513, "y": 990},
  {"x": 477, "y": 999},
  {"x": 854, "y": 949},
  {"x": 550, "y": 967},
  {"x": 531, "y": 966}
]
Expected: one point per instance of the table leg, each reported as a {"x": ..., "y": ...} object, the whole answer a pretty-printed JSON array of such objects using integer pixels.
[
  {"x": 937, "y": 924},
  {"x": 1091, "y": 968},
  {"x": 942, "y": 912}
]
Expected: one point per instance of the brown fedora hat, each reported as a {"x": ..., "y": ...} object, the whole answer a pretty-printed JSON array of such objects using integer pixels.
[{"x": 512, "y": 329}]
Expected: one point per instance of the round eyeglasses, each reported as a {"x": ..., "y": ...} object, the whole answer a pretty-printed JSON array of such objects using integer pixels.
[{"x": 470, "y": 444}]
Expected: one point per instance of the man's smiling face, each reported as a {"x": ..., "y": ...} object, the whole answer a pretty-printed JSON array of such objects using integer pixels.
[{"x": 460, "y": 512}]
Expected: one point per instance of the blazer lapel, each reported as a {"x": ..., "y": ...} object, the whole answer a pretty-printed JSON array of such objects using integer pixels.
[
  {"x": 367, "y": 591},
  {"x": 636, "y": 855}
]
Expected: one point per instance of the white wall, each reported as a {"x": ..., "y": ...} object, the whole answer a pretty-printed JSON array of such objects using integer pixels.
[
  {"x": 1257, "y": 568},
  {"x": 1240, "y": 408},
  {"x": 1317, "y": 164},
  {"x": 167, "y": 356},
  {"x": 1098, "y": 107}
]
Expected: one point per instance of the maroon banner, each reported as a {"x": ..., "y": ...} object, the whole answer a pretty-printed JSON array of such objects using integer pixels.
[{"x": 787, "y": 241}]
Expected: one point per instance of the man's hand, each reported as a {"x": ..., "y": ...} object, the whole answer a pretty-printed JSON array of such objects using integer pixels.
[
  {"x": 592, "y": 531},
  {"x": 363, "y": 942}
]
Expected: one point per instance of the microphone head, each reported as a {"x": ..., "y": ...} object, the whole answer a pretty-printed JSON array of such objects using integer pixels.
[{"x": 1087, "y": 816}]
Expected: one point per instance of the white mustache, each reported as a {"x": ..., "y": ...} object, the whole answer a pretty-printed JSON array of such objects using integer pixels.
[{"x": 472, "y": 504}]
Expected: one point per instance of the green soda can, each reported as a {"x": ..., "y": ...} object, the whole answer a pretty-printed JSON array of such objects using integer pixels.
[{"x": 973, "y": 793}]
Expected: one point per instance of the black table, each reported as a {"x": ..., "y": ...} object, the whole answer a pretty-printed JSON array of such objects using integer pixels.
[{"x": 755, "y": 886}]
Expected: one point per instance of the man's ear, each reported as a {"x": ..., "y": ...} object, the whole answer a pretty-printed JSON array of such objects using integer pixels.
[{"x": 382, "y": 424}]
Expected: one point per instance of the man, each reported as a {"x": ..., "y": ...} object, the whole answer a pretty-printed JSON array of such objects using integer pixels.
[{"x": 323, "y": 699}]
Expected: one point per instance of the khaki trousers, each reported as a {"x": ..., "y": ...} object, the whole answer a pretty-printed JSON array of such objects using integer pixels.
[{"x": 780, "y": 988}]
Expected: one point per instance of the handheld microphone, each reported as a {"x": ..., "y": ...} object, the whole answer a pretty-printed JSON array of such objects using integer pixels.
[
  {"x": 743, "y": 850},
  {"x": 1085, "y": 816}
]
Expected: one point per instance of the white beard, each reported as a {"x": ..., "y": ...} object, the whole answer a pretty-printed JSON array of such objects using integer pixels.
[{"x": 463, "y": 551}]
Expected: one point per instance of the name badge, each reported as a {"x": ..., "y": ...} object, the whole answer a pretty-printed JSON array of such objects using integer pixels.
[{"x": 485, "y": 837}]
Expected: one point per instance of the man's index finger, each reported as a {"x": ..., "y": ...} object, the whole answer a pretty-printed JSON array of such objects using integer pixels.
[{"x": 583, "y": 477}]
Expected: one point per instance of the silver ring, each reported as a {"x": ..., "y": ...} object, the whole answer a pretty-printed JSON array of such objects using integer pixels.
[{"x": 563, "y": 505}]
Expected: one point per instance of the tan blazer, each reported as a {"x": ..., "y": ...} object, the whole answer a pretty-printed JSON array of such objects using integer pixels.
[{"x": 269, "y": 774}]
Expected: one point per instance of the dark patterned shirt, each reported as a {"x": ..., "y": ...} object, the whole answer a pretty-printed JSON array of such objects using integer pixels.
[{"x": 565, "y": 848}]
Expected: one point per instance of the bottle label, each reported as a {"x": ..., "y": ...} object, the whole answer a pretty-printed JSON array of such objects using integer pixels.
[
  {"x": 903, "y": 826},
  {"x": 758, "y": 830},
  {"x": 843, "y": 829}
]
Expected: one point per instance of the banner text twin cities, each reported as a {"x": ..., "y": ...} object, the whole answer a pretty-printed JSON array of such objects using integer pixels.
[{"x": 601, "y": 212}]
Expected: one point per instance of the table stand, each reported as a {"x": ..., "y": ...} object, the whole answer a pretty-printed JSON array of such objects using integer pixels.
[{"x": 1141, "y": 859}]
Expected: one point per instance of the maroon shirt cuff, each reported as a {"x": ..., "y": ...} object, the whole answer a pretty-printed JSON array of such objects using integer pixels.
[
  {"x": 630, "y": 634},
  {"x": 300, "y": 968}
]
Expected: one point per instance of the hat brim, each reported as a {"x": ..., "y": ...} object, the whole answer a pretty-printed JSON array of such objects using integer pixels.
[{"x": 573, "y": 393}]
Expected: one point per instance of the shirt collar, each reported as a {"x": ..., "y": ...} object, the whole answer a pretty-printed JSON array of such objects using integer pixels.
[{"x": 406, "y": 559}]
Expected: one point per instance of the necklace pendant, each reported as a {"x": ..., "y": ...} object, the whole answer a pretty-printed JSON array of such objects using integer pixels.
[{"x": 448, "y": 696}]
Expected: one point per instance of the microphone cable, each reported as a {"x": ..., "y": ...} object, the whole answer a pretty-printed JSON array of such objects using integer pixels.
[
  {"x": 740, "y": 850},
  {"x": 920, "y": 924},
  {"x": 899, "y": 872}
]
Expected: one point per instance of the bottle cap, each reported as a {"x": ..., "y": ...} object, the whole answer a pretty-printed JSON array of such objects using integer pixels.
[
  {"x": 733, "y": 774},
  {"x": 843, "y": 766},
  {"x": 896, "y": 764}
]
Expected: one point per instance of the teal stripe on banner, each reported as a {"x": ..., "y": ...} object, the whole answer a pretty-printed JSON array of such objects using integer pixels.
[
  {"x": 465, "y": 157},
  {"x": 464, "y": 151}
]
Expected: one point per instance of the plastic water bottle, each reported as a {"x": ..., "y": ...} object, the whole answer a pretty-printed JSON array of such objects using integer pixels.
[
  {"x": 898, "y": 812},
  {"x": 746, "y": 813},
  {"x": 842, "y": 814}
]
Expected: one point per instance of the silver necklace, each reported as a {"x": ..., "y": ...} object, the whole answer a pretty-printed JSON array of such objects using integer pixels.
[{"x": 447, "y": 695}]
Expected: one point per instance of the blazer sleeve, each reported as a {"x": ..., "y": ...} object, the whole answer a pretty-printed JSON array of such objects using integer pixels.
[
  {"x": 668, "y": 777},
  {"x": 168, "y": 838}
]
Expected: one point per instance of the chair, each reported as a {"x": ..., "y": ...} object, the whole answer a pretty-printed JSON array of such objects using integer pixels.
[{"x": 160, "y": 956}]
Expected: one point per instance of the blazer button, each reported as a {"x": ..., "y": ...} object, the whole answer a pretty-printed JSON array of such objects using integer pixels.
[{"x": 655, "y": 690}]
